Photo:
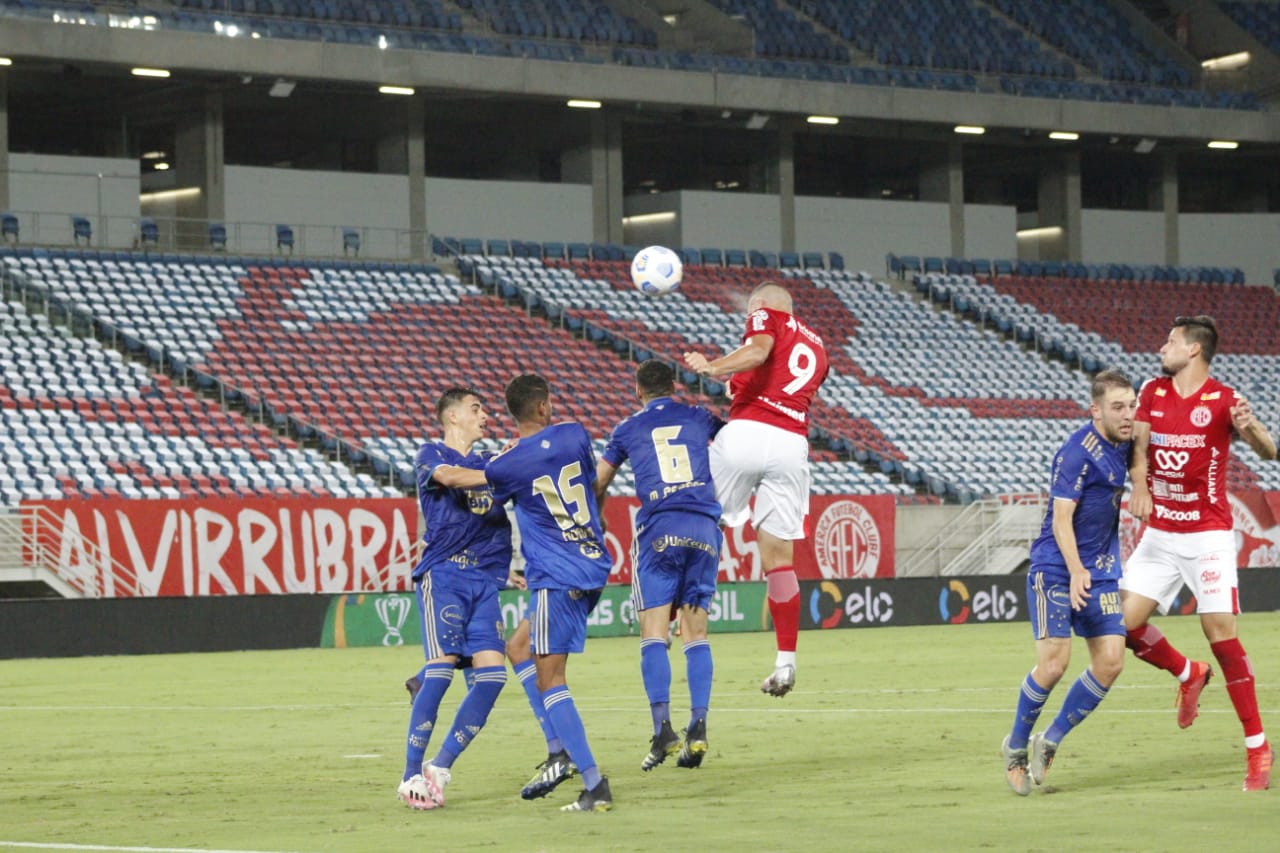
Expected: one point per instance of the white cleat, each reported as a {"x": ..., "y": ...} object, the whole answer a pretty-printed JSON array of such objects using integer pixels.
[
  {"x": 436, "y": 778},
  {"x": 781, "y": 682},
  {"x": 414, "y": 793}
]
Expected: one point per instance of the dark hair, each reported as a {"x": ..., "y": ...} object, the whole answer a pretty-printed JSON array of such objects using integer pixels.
[
  {"x": 524, "y": 393},
  {"x": 452, "y": 397},
  {"x": 1106, "y": 380},
  {"x": 1201, "y": 330},
  {"x": 655, "y": 378}
]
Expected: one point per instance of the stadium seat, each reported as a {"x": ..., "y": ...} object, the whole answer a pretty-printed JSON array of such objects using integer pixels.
[
  {"x": 148, "y": 232},
  {"x": 9, "y": 228},
  {"x": 284, "y": 239},
  {"x": 217, "y": 236},
  {"x": 350, "y": 242},
  {"x": 81, "y": 230}
]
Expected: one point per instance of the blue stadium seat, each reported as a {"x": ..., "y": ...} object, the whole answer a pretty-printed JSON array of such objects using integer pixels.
[
  {"x": 9, "y": 227},
  {"x": 217, "y": 236},
  {"x": 284, "y": 238},
  {"x": 350, "y": 241},
  {"x": 81, "y": 230},
  {"x": 148, "y": 232}
]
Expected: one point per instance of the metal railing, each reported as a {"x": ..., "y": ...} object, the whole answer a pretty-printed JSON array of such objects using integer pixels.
[
  {"x": 207, "y": 236},
  {"x": 990, "y": 536},
  {"x": 36, "y": 546}
]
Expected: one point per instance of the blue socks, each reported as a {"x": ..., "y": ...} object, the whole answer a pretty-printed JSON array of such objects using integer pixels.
[
  {"x": 436, "y": 678},
  {"x": 472, "y": 713},
  {"x": 568, "y": 724},
  {"x": 655, "y": 671},
  {"x": 1082, "y": 698},
  {"x": 1030, "y": 703},
  {"x": 698, "y": 666},
  {"x": 528, "y": 675}
]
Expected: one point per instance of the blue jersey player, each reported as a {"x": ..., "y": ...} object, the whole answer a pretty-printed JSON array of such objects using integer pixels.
[
  {"x": 677, "y": 548},
  {"x": 549, "y": 474},
  {"x": 1074, "y": 579},
  {"x": 466, "y": 557}
]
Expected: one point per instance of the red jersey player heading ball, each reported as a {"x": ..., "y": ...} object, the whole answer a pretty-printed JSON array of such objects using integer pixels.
[{"x": 764, "y": 450}]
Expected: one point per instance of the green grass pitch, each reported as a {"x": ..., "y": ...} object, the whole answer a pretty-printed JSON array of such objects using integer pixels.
[{"x": 890, "y": 742}]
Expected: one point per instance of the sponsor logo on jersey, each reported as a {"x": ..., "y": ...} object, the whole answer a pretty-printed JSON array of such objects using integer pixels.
[
  {"x": 1212, "y": 395},
  {"x": 847, "y": 542},
  {"x": 1210, "y": 576},
  {"x": 1177, "y": 514},
  {"x": 1160, "y": 392},
  {"x": 1171, "y": 460},
  {"x": 1200, "y": 416},
  {"x": 1171, "y": 439}
]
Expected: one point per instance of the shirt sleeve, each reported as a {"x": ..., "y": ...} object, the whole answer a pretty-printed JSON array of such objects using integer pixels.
[
  {"x": 615, "y": 452},
  {"x": 1070, "y": 473}
]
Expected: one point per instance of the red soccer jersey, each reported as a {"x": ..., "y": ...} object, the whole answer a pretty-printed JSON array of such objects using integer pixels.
[
  {"x": 1188, "y": 455},
  {"x": 779, "y": 391}
]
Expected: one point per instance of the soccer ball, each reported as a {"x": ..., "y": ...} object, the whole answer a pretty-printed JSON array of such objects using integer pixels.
[{"x": 656, "y": 270}]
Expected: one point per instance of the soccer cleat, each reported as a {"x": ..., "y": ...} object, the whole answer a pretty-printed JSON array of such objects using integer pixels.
[
  {"x": 781, "y": 682},
  {"x": 1188, "y": 701},
  {"x": 556, "y": 769},
  {"x": 413, "y": 684},
  {"x": 1015, "y": 773},
  {"x": 1040, "y": 753},
  {"x": 1258, "y": 776},
  {"x": 664, "y": 743},
  {"x": 695, "y": 744},
  {"x": 415, "y": 793},
  {"x": 598, "y": 799},
  {"x": 436, "y": 778}
]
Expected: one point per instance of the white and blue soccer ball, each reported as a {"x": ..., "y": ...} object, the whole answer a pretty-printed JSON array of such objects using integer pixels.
[{"x": 656, "y": 270}]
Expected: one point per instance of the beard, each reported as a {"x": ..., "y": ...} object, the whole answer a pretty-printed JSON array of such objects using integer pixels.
[{"x": 1168, "y": 370}]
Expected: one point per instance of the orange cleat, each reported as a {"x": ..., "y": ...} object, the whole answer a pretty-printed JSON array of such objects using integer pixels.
[
  {"x": 1258, "y": 776},
  {"x": 1188, "y": 702}
]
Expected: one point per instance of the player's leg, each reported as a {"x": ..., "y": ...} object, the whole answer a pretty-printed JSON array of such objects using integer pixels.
[
  {"x": 699, "y": 670},
  {"x": 1151, "y": 580},
  {"x": 1049, "y": 607},
  {"x": 781, "y": 505},
  {"x": 1101, "y": 623},
  {"x": 558, "y": 623},
  {"x": 441, "y": 645},
  {"x": 1217, "y": 599},
  {"x": 699, "y": 589},
  {"x": 655, "y": 672},
  {"x": 485, "y": 646},
  {"x": 557, "y": 767}
]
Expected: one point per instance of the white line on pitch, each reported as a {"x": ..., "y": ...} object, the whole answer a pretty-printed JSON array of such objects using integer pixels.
[{"x": 34, "y": 845}]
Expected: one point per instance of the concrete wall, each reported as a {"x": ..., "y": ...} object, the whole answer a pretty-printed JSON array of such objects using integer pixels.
[
  {"x": 1250, "y": 241},
  {"x": 45, "y": 189},
  {"x": 1122, "y": 236}
]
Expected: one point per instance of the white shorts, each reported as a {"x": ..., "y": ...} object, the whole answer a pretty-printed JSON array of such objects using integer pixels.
[
  {"x": 1204, "y": 561},
  {"x": 749, "y": 457}
]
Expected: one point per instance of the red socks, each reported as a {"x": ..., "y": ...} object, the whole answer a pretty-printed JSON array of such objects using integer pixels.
[
  {"x": 784, "y": 605},
  {"x": 1151, "y": 646},
  {"x": 1238, "y": 674}
]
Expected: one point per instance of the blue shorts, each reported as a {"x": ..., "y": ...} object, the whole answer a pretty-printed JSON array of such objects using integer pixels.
[
  {"x": 460, "y": 614},
  {"x": 1049, "y": 603},
  {"x": 558, "y": 619},
  {"x": 676, "y": 559}
]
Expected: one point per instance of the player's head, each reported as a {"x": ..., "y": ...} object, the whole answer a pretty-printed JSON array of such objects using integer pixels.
[
  {"x": 770, "y": 294},
  {"x": 529, "y": 398},
  {"x": 1189, "y": 339},
  {"x": 655, "y": 379},
  {"x": 460, "y": 410},
  {"x": 1113, "y": 406}
]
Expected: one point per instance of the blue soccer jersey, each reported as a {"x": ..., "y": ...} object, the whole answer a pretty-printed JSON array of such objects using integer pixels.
[
  {"x": 1090, "y": 471},
  {"x": 667, "y": 443},
  {"x": 550, "y": 476},
  {"x": 467, "y": 530}
]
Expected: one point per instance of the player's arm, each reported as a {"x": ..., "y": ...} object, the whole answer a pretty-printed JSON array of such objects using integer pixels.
[
  {"x": 458, "y": 477},
  {"x": 604, "y": 476},
  {"x": 750, "y": 355},
  {"x": 1140, "y": 497},
  {"x": 1252, "y": 430},
  {"x": 1064, "y": 533}
]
